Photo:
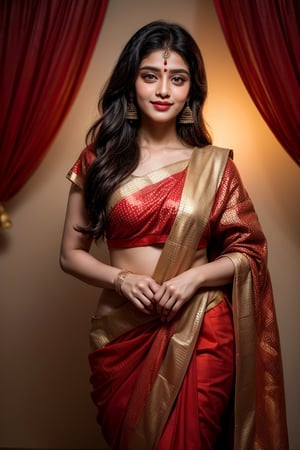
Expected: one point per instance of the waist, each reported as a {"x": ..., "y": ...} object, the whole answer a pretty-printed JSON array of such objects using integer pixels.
[
  {"x": 110, "y": 302},
  {"x": 143, "y": 241},
  {"x": 143, "y": 260}
]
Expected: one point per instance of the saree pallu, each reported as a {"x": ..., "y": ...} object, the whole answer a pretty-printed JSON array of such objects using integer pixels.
[{"x": 159, "y": 359}]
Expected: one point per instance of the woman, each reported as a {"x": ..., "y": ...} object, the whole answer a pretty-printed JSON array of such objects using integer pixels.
[{"x": 185, "y": 348}]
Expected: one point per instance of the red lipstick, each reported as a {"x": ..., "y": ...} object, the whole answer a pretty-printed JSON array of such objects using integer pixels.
[{"x": 161, "y": 106}]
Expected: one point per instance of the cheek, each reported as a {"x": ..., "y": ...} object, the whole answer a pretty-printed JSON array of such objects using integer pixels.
[
  {"x": 185, "y": 93},
  {"x": 182, "y": 97},
  {"x": 142, "y": 90},
  {"x": 181, "y": 93}
]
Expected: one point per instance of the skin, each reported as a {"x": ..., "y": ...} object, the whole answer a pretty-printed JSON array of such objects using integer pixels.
[{"x": 161, "y": 92}]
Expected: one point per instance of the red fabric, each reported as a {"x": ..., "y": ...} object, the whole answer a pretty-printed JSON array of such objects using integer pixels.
[
  {"x": 146, "y": 217},
  {"x": 235, "y": 228},
  {"x": 232, "y": 227},
  {"x": 45, "y": 49},
  {"x": 143, "y": 218},
  {"x": 195, "y": 420},
  {"x": 116, "y": 369},
  {"x": 263, "y": 37},
  {"x": 78, "y": 171}
]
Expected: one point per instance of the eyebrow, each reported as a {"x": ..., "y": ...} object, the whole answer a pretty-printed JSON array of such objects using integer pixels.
[{"x": 173, "y": 71}]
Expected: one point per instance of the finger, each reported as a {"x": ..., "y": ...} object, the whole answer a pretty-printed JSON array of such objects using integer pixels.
[
  {"x": 169, "y": 314},
  {"x": 148, "y": 294},
  {"x": 167, "y": 308},
  {"x": 141, "y": 306},
  {"x": 146, "y": 288},
  {"x": 159, "y": 294},
  {"x": 169, "y": 291},
  {"x": 178, "y": 304},
  {"x": 161, "y": 305},
  {"x": 143, "y": 299},
  {"x": 169, "y": 295},
  {"x": 147, "y": 304},
  {"x": 153, "y": 286}
]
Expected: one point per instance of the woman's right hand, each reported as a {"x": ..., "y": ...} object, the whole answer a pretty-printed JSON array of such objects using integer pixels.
[{"x": 140, "y": 290}]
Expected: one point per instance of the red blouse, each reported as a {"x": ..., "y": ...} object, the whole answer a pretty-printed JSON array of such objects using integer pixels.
[{"x": 145, "y": 216}]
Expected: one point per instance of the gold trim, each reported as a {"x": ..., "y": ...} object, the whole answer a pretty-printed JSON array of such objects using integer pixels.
[
  {"x": 245, "y": 341},
  {"x": 117, "y": 322},
  {"x": 74, "y": 178},
  {"x": 135, "y": 183},
  {"x": 108, "y": 327},
  {"x": 215, "y": 302},
  {"x": 172, "y": 371},
  {"x": 203, "y": 175},
  {"x": 125, "y": 317}
]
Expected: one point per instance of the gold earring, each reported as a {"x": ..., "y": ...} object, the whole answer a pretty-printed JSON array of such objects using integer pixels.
[
  {"x": 131, "y": 113},
  {"x": 186, "y": 117}
]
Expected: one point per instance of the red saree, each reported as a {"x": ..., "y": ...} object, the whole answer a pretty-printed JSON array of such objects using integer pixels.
[{"x": 144, "y": 373}]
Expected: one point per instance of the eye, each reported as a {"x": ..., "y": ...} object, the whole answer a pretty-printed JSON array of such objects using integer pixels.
[
  {"x": 149, "y": 77},
  {"x": 178, "y": 80}
]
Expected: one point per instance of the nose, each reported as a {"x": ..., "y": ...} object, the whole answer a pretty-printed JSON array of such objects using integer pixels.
[{"x": 163, "y": 88}]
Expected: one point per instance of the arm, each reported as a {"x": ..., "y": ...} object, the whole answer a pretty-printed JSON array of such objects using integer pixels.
[{"x": 75, "y": 258}]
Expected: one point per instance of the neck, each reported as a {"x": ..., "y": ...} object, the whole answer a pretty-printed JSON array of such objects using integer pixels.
[{"x": 159, "y": 135}]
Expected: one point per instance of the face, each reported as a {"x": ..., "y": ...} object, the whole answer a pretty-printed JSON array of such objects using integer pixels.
[{"x": 162, "y": 86}]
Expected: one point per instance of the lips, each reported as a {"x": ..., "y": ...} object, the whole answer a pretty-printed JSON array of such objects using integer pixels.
[{"x": 162, "y": 106}]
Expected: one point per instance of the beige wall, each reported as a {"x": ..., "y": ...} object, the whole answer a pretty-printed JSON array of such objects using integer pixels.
[{"x": 44, "y": 314}]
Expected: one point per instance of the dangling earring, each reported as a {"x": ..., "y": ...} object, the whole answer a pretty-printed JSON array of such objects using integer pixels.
[
  {"x": 131, "y": 113},
  {"x": 186, "y": 117}
]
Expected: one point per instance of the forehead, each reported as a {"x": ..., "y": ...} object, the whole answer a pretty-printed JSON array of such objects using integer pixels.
[{"x": 156, "y": 58}]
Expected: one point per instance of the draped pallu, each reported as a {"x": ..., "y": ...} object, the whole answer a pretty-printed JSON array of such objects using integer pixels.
[{"x": 143, "y": 370}]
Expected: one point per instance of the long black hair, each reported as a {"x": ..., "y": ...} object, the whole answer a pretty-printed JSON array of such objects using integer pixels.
[{"x": 113, "y": 138}]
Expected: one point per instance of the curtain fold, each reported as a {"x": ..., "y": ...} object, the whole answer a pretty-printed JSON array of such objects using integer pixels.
[
  {"x": 45, "y": 49},
  {"x": 263, "y": 38}
]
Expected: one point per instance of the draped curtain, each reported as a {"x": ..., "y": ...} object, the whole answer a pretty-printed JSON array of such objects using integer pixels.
[
  {"x": 263, "y": 37},
  {"x": 45, "y": 48}
]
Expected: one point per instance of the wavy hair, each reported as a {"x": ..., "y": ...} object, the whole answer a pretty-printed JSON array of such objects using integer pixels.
[{"x": 114, "y": 139}]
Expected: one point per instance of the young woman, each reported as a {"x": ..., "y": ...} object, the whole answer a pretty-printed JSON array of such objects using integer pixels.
[{"x": 185, "y": 349}]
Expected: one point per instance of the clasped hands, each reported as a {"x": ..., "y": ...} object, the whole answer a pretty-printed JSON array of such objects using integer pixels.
[{"x": 164, "y": 300}]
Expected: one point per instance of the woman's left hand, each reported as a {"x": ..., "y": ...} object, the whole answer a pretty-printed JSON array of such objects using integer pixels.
[{"x": 174, "y": 293}]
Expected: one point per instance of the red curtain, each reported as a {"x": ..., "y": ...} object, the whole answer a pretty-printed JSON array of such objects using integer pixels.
[
  {"x": 263, "y": 37},
  {"x": 45, "y": 48}
]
